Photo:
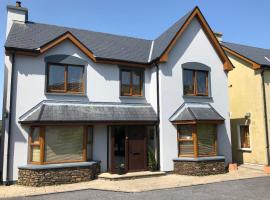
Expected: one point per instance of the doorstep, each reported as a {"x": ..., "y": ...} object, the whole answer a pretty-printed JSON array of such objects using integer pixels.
[{"x": 131, "y": 175}]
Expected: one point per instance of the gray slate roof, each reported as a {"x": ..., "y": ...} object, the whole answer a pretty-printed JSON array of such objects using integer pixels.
[
  {"x": 31, "y": 36},
  {"x": 88, "y": 112},
  {"x": 189, "y": 113},
  {"x": 253, "y": 53}
]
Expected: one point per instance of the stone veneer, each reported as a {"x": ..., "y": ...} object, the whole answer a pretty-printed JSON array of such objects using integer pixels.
[
  {"x": 54, "y": 174},
  {"x": 200, "y": 166}
]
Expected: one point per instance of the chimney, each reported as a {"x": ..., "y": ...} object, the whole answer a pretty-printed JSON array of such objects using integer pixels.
[
  {"x": 219, "y": 36},
  {"x": 18, "y": 4},
  {"x": 17, "y": 14}
]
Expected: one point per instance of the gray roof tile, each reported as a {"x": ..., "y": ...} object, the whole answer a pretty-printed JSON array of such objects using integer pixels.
[
  {"x": 190, "y": 113},
  {"x": 89, "y": 112},
  {"x": 253, "y": 53},
  {"x": 31, "y": 36}
]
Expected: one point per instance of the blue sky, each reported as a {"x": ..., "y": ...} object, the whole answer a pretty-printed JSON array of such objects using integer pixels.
[{"x": 241, "y": 21}]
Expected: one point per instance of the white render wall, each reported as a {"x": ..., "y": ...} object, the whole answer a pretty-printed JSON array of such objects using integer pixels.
[
  {"x": 193, "y": 46},
  {"x": 102, "y": 85}
]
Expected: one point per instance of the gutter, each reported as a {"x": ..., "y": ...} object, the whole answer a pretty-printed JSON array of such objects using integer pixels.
[
  {"x": 265, "y": 119},
  {"x": 9, "y": 116},
  {"x": 158, "y": 116}
]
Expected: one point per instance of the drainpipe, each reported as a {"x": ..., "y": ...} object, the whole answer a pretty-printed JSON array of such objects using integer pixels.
[
  {"x": 265, "y": 119},
  {"x": 9, "y": 131},
  {"x": 158, "y": 114}
]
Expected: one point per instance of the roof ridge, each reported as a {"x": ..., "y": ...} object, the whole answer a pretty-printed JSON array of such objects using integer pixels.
[
  {"x": 151, "y": 51},
  {"x": 87, "y": 30}
]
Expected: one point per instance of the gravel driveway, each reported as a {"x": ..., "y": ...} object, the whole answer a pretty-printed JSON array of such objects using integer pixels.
[{"x": 248, "y": 189}]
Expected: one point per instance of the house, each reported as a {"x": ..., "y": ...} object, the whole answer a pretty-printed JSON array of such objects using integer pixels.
[
  {"x": 249, "y": 103},
  {"x": 78, "y": 102}
]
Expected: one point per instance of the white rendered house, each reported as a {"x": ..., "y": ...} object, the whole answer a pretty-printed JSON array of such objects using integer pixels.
[{"x": 77, "y": 99}]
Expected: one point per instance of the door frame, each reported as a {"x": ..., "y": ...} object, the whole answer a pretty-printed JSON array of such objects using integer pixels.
[{"x": 112, "y": 168}]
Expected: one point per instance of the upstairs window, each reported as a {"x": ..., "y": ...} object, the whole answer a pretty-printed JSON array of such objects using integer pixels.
[
  {"x": 131, "y": 82},
  {"x": 65, "y": 79},
  {"x": 195, "y": 82}
]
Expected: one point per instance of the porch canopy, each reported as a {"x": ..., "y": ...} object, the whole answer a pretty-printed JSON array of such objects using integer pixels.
[
  {"x": 78, "y": 112},
  {"x": 196, "y": 112}
]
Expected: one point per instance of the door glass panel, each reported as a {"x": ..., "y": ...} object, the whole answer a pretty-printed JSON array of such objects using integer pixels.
[
  {"x": 119, "y": 147},
  {"x": 90, "y": 143}
]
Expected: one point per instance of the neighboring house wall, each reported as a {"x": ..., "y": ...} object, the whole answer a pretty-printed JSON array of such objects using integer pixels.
[
  {"x": 193, "y": 46},
  {"x": 246, "y": 96},
  {"x": 267, "y": 102},
  {"x": 102, "y": 85}
]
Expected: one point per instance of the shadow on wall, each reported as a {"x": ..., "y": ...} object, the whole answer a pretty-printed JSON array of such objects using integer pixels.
[
  {"x": 167, "y": 71},
  {"x": 237, "y": 155},
  {"x": 224, "y": 143}
]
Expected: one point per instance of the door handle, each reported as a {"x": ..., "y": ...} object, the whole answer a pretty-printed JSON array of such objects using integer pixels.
[{"x": 135, "y": 153}]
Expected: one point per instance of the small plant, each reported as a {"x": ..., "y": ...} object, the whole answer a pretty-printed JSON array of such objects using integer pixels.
[
  {"x": 121, "y": 169},
  {"x": 152, "y": 163}
]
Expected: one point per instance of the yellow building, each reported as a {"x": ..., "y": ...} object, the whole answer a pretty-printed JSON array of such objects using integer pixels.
[{"x": 249, "y": 91}]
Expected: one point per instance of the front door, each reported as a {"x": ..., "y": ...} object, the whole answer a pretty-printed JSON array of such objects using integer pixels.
[
  {"x": 136, "y": 149},
  {"x": 128, "y": 148}
]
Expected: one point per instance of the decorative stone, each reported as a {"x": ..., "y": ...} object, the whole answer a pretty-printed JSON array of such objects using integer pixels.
[
  {"x": 199, "y": 167},
  {"x": 37, "y": 177}
]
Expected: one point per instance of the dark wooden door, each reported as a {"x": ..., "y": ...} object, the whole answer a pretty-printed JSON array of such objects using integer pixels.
[{"x": 136, "y": 149}]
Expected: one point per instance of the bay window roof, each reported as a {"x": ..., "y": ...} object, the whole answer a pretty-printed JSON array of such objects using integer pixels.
[
  {"x": 196, "y": 112},
  {"x": 60, "y": 111}
]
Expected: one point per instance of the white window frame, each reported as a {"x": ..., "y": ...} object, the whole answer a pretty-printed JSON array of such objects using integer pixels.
[{"x": 239, "y": 137}]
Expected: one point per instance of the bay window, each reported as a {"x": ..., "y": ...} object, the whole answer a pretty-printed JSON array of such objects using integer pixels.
[
  {"x": 58, "y": 144},
  {"x": 197, "y": 140}
]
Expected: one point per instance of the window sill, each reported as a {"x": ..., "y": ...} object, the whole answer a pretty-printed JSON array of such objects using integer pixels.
[
  {"x": 64, "y": 94},
  {"x": 245, "y": 149},
  {"x": 210, "y": 158},
  {"x": 197, "y": 97},
  {"x": 56, "y": 166},
  {"x": 132, "y": 97}
]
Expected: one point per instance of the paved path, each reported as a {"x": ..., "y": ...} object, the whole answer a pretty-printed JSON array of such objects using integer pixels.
[{"x": 248, "y": 189}]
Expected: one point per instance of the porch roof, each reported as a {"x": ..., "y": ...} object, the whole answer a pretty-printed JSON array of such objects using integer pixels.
[
  {"x": 79, "y": 112},
  {"x": 196, "y": 112}
]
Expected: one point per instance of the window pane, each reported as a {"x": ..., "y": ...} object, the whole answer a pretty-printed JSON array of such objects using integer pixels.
[
  {"x": 244, "y": 135},
  {"x": 201, "y": 82},
  {"x": 35, "y": 135},
  {"x": 206, "y": 134},
  {"x": 188, "y": 82},
  {"x": 75, "y": 79},
  {"x": 186, "y": 148},
  {"x": 185, "y": 132},
  {"x": 89, "y": 143},
  {"x": 63, "y": 143},
  {"x": 35, "y": 154},
  {"x": 136, "y": 83},
  {"x": 56, "y": 80},
  {"x": 125, "y": 82}
]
